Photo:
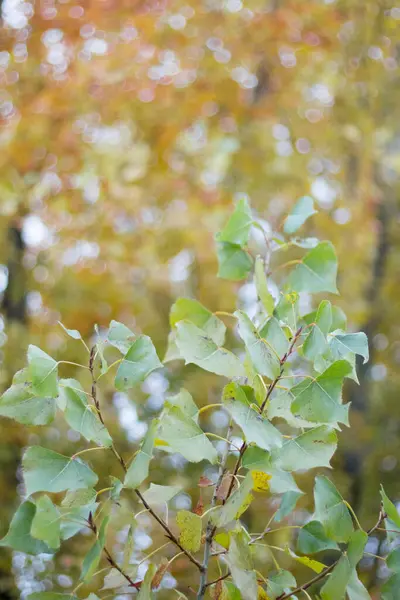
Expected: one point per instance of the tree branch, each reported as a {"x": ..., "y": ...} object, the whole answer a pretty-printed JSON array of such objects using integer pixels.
[
  {"x": 120, "y": 459},
  {"x": 210, "y": 531}
]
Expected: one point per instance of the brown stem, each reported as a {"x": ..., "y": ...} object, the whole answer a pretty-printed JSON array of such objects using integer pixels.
[
  {"x": 110, "y": 559},
  {"x": 159, "y": 520},
  {"x": 235, "y": 471},
  {"x": 211, "y": 528},
  {"x": 282, "y": 363},
  {"x": 219, "y": 579}
]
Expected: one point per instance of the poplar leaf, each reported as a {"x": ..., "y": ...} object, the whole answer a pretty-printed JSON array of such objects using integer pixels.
[
  {"x": 236, "y": 504},
  {"x": 331, "y": 510},
  {"x": 19, "y": 535},
  {"x": 312, "y": 539},
  {"x": 302, "y": 210},
  {"x": 316, "y": 272},
  {"x": 241, "y": 565},
  {"x": 48, "y": 471},
  {"x": 237, "y": 229},
  {"x": 263, "y": 292},
  {"x": 159, "y": 494},
  {"x": 264, "y": 358},
  {"x": 311, "y": 449},
  {"x": 179, "y": 433},
  {"x": 320, "y": 400},
  {"x": 138, "y": 470},
  {"x": 46, "y": 522},
  {"x": 190, "y": 526},
  {"x": 187, "y": 309},
  {"x": 140, "y": 360},
  {"x": 120, "y": 336},
  {"x": 21, "y": 403},
  {"x": 256, "y": 428},
  {"x": 81, "y": 417},
  {"x": 233, "y": 262},
  {"x": 197, "y": 348},
  {"x": 43, "y": 372}
]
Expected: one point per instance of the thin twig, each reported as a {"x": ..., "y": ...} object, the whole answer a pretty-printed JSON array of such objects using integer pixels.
[
  {"x": 122, "y": 462},
  {"x": 219, "y": 579},
  {"x": 210, "y": 531}
]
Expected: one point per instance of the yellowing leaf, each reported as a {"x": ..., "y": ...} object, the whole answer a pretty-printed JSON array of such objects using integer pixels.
[
  {"x": 190, "y": 526},
  {"x": 260, "y": 481},
  {"x": 262, "y": 594}
]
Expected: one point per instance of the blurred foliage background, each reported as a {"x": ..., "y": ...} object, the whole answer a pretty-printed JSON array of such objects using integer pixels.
[{"x": 128, "y": 128}]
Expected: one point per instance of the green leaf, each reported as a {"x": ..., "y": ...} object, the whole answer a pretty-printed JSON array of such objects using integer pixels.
[
  {"x": 190, "y": 526},
  {"x": 197, "y": 348},
  {"x": 314, "y": 344},
  {"x": 100, "y": 347},
  {"x": 145, "y": 592},
  {"x": 311, "y": 449},
  {"x": 319, "y": 400},
  {"x": 120, "y": 336},
  {"x": 390, "y": 508},
  {"x": 240, "y": 562},
  {"x": 43, "y": 372},
  {"x": 256, "y": 459},
  {"x": 82, "y": 417},
  {"x": 172, "y": 351},
  {"x": 312, "y": 539},
  {"x": 275, "y": 336},
  {"x": 256, "y": 428},
  {"x": 255, "y": 381},
  {"x": 323, "y": 317},
  {"x": 231, "y": 592},
  {"x": 302, "y": 210},
  {"x": 19, "y": 536},
  {"x": 316, "y": 272},
  {"x": 339, "y": 319},
  {"x": 237, "y": 229},
  {"x": 185, "y": 402},
  {"x": 237, "y": 503},
  {"x": 75, "y": 510},
  {"x": 93, "y": 557},
  {"x": 73, "y": 333},
  {"x": 179, "y": 433},
  {"x": 263, "y": 356},
  {"x": 393, "y": 560},
  {"x": 350, "y": 343},
  {"x": 335, "y": 587},
  {"x": 355, "y": 589},
  {"x": 280, "y": 582},
  {"x": 138, "y": 470},
  {"x": 233, "y": 262},
  {"x": 46, "y": 523},
  {"x": 288, "y": 504},
  {"x": 129, "y": 546},
  {"x": 262, "y": 286},
  {"x": 390, "y": 589},
  {"x": 140, "y": 360},
  {"x": 280, "y": 406},
  {"x": 331, "y": 510},
  {"x": 287, "y": 309},
  {"x": 24, "y": 405},
  {"x": 186, "y": 309},
  {"x": 48, "y": 471},
  {"x": 159, "y": 494},
  {"x": 312, "y": 564}
]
